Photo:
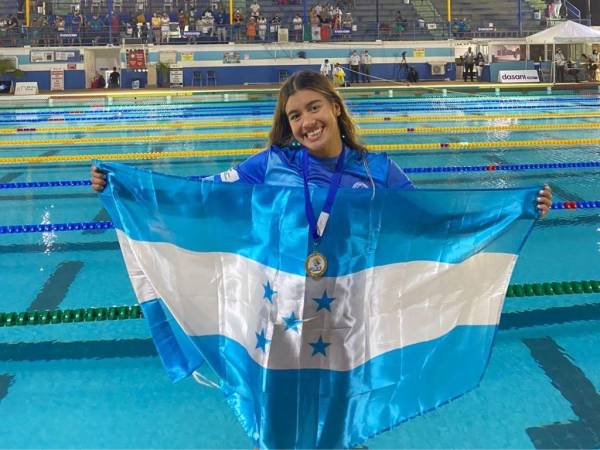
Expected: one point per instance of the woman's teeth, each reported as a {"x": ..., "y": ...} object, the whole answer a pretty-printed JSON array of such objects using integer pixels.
[{"x": 315, "y": 133}]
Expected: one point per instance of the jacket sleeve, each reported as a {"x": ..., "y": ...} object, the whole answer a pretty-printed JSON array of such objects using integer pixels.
[
  {"x": 396, "y": 178},
  {"x": 251, "y": 171}
]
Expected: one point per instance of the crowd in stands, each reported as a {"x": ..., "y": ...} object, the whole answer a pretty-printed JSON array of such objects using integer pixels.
[
  {"x": 211, "y": 24},
  {"x": 10, "y": 30}
]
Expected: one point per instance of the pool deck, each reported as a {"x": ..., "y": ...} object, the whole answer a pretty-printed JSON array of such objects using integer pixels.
[{"x": 450, "y": 86}]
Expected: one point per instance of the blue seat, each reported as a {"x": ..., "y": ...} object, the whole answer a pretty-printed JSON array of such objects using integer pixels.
[
  {"x": 211, "y": 78},
  {"x": 283, "y": 75},
  {"x": 198, "y": 78}
]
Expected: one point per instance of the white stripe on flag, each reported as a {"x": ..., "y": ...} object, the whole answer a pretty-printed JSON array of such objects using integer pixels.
[{"x": 374, "y": 311}]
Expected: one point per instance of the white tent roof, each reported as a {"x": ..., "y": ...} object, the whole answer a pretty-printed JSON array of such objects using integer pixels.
[{"x": 564, "y": 33}]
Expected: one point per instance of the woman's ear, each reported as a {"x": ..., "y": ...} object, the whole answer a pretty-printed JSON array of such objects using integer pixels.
[{"x": 337, "y": 109}]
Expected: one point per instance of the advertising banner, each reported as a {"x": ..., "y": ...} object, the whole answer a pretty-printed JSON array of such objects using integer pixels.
[
  {"x": 136, "y": 59},
  {"x": 26, "y": 88},
  {"x": 518, "y": 76},
  {"x": 57, "y": 79}
]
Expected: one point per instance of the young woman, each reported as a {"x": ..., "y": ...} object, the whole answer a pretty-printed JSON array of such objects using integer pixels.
[{"x": 312, "y": 129}]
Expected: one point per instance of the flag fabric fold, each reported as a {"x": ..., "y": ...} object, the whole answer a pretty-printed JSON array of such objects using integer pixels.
[{"x": 402, "y": 321}]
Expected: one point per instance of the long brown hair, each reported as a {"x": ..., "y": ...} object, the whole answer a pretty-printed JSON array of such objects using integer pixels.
[{"x": 281, "y": 132}]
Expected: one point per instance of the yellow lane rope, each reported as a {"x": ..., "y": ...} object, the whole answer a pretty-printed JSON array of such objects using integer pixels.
[
  {"x": 250, "y": 151},
  {"x": 267, "y": 122},
  {"x": 264, "y": 134}
]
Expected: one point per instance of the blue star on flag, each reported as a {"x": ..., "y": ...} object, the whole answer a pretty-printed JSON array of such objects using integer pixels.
[
  {"x": 292, "y": 322},
  {"x": 324, "y": 302},
  {"x": 269, "y": 292},
  {"x": 262, "y": 341},
  {"x": 319, "y": 346}
]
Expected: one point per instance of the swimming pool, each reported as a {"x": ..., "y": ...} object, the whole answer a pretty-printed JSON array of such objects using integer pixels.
[{"x": 99, "y": 384}]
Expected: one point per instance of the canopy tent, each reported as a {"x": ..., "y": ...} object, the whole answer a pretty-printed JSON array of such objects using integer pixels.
[{"x": 568, "y": 32}]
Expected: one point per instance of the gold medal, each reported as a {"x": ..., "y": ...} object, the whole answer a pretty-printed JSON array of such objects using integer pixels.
[{"x": 315, "y": 265}]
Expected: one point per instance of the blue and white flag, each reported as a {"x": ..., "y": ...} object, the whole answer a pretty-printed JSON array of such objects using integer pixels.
[{"x": 402, "y": 321}]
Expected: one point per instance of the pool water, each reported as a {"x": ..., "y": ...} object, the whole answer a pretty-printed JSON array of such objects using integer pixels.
[{"x": 101, "y": 385}]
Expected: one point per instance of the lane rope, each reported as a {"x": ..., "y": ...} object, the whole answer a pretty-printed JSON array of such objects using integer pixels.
[
  {"x": 106, "y": 225},
  {"x": 250, "y": 151},
  {"x": 436, "y": 169},
  {"x": 110, "y": 313},
  {"x": 266, "y": 122},
  {"x": 264, "y": 134}
]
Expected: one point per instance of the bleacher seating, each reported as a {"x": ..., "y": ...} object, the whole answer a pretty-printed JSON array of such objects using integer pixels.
[
  {"x": 430, "y": 13},
  {"x": 480, "y": 13},
  {"x": 7, "y": 9}
]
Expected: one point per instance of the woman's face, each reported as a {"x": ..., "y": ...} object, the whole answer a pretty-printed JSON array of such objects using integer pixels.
[{"x": 313, "y": 120}]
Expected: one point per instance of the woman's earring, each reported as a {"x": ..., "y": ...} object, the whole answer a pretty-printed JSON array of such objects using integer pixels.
[{"x": 295, "y": 144}]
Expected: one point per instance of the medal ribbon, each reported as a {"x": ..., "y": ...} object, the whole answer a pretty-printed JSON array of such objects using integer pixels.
[{"x": 317, "y": 228}]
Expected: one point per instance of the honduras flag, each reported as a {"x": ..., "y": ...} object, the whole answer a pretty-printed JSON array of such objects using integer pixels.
[{"x": 402, "y": 321}]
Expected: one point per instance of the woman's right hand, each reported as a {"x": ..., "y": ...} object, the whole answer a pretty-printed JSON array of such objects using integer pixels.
[{"x": 98, "y": 179}]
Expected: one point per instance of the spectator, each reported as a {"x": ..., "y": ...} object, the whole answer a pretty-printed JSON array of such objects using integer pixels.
[
  {"x": 403, "y": 63},
  {"x": 297, "y": 27},
  {"x": 385, "y": 31},
  {"x": 573, "y": 70},
  {"x": 46, "y": 32},
  {"x": 129, "y": 31},
  {"x": 77, "y": 26},
  {"x": 559, "y": 66},
  {"x": 96, "y": 25},
  {"x": 98, "y": 82},
  {"x": 315, "y": 25},
  {"x": 251, "y": 29},
  {"x": 347, "y": 24},
  {"x": 275, "y": 24},
  {"x": 114, "y": 78},
  {"x": 140, "y": 22},
  {"x": 208, "y": 23},
  {"x": 262, "y": 28},
  {"x": 554, "y": 9},
  {"x": 221, "y": 24},
  {"x": 183, "y": 20},
  {"x": 595, "y": 65},
  {"x": 238, "y": 22},
  {"x": 469, "y": 63},
  {"x": 326, "y": 69},
  {"x": 339, "y": 76},
  {"x": 255, "y": 10},
  {"x": 365, "y": 66},
  {"x": 412, "y": 75},
  {"x": 399, "y": 24},
  {"x": 59, "y": 24},
  {"x": 115, "y": 26},
  {"x": 479, "y": 64},
  {"x": 325, "y": 25},
  {"x": 156, "y": 23},
  {"x": 354, "y": 63},
  {"x": 165, "y": 28}
]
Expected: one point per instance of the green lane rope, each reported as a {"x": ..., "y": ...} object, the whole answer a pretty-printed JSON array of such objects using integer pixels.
[
  {"x": 97, "y": 314},
  {"x": 553, "y": 288},
  {"x": 57, "y": 316}
]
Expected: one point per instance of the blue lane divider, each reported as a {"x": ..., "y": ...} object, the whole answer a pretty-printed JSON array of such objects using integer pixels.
[
  {"x": 486, "y": 168},
  {"x": 505, "y": 167},
  {"x": 80, "y": 226},
  {"x": 45, "y": 184},
  {"x": 47, "y": 227},
  {"x": 365, "y": 110},
  {"x": 241, "y": 105}
]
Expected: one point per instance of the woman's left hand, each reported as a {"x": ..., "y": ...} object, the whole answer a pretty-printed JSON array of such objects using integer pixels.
[{"x": 544, "y": 201}]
